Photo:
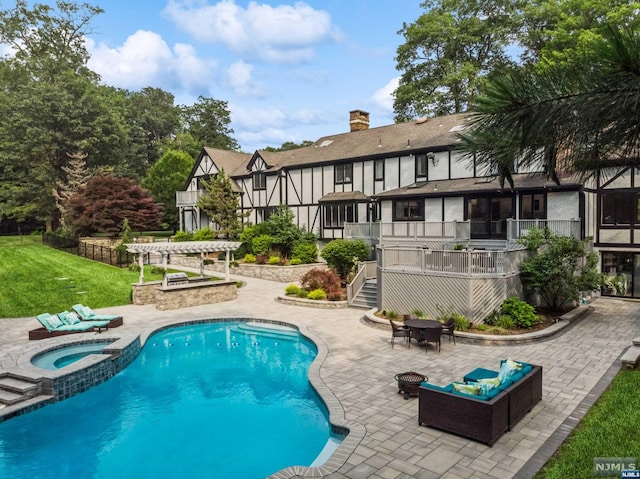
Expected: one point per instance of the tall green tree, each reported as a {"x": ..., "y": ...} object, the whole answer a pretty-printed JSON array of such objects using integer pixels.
[
  {"x": 289, "y": 145},
  {"x": 208, "y": 121},
  {"x": 167, "y": 176},
  {"x": 222, "y": 204},
  {"x": 448, "y": 51},
  {"x": 580, "y": 118}
]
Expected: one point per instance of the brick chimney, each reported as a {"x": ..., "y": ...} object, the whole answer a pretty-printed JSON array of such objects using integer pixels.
[{"x": 358, "y": 120}]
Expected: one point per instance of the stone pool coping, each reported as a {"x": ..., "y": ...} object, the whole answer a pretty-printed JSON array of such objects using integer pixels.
[{"x": 95, "y": 369}]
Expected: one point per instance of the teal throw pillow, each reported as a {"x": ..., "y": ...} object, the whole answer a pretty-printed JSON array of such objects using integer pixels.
[{"x": 54, "y": 321}]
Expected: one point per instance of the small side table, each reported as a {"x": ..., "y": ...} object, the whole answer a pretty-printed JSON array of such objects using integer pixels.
[{"x": 409, "y": 383}]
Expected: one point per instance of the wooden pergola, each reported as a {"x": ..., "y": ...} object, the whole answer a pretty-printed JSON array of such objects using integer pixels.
[{"x": 183, "y": 247}]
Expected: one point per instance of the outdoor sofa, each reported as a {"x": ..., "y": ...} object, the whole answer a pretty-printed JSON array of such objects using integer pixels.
[{"x": 483, "y": 417}]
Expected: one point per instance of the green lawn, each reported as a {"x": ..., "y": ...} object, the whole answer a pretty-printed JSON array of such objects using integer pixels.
[
  {"x": 609, "y": 429},
  {"x": 37, "y": 279}
]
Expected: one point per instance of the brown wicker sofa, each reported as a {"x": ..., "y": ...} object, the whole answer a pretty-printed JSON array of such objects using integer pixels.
[{"x": 476, "y": 417}]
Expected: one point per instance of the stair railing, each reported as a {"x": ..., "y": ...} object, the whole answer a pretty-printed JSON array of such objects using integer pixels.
[{"x": 366, "y": 270}]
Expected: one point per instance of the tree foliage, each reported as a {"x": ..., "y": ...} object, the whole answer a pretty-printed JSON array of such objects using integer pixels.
[
  {"x": 221, "y": 204},
  {"x": 106, "y": 201},
  {"x": 580, "y": 118},
  {"x": 289, "y": 145},
  {"x": 448, "y": 51},
  {"x": 166, "y": 177},
  {"x": 342, "y": 255},
  {"x": 559, "y": 269},
  {"x": 207, "y": 121}
]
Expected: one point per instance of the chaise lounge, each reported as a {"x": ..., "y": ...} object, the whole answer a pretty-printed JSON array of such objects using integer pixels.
[
  {"x": 86, "y": 314},
  {"x": 64, "y": 323},
  {"x": 486, "y": 406}
]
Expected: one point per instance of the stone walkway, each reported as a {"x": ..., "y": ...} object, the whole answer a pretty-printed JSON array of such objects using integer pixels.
[{"x": 360, "y": 365}]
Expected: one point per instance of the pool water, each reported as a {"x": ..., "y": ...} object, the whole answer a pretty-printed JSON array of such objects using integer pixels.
[
  {"x": 218, "y": 400},
  {"x": 61, "y": 357}
]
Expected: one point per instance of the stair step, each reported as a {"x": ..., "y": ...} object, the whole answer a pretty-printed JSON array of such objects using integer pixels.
[
  {"x": 19, "y": 386},
  {"x": 631, "y": 358},
  {"x": 636, "y": 341},
  {"x": 9, "y": 397},
  {"x": 12, "y": 409}
]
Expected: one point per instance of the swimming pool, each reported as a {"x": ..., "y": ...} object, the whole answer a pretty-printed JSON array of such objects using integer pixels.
[{"x": 210, "y": 400}]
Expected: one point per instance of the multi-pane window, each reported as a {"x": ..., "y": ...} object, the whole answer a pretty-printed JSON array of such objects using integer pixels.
[
  {"x": 408, "y": 210},
  {"x": 421, "y": 165},
  {"x": 532, "y": 207},
  {"x": 343, "y": 173},
  {"x": 378, "y": 170},
  {"x": 336, "y": 215},
  {"x": 259, "y": 181},
  {"x": 619, "y": 208},
  {"x": 264, "y": 213}
]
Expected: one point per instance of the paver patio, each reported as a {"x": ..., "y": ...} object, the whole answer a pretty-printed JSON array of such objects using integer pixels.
[{"x": 360, "y": 367}]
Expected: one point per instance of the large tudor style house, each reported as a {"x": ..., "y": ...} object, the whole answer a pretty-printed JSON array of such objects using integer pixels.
[{"x": 434, "y": 216}]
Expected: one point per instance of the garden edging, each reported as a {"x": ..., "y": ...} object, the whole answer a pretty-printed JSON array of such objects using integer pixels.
[
  {"x": 311, "y": 303},
  {"x": 563, "y": 322}
]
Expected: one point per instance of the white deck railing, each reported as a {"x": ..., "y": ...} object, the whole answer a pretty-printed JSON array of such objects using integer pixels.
[
  {"x": 519, "y": 228},
  {"x": 411, "y": 259},
  {"x": 366, "y": 270}
]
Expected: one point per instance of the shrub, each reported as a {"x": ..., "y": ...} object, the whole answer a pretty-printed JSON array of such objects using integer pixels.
[
  {"x": 306, "y": 252},
  {"x": 492, "y": 318},
  {"x": 134, "y": 267},
  {"x": 204, "y": 234},
  {"x": 392, "y": 315},
  {"x": 419, "y": 314},
  {"x": 318, "y": 278},
  {"x": 234, "y": 264},
  {"x": 481, "y": 327},
  {"x": 261, "y": 244},
  {"x": 295, "y": 261},
  {"x": 274, "y": 260},
  {"x": 209, "y": 261},
  {"x": 156, "y": 270},
  {"x": 292, "y": 289},
  {"x": 337, "y": 294},
  {"x": 462, "y": 323},
  {"x": 301, "y": 294},
  {"x": 505, "y": 321},
  {"x": 182, "y": 236},
  {"x": 342, "y": 255},
  {"x": 522, "y": 313},
  {"x": 317, "y": 294},
  {"x": 249, "y": 258}
]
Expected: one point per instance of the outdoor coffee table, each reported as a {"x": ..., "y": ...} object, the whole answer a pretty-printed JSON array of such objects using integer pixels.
[{"x": 409, "y": 383}]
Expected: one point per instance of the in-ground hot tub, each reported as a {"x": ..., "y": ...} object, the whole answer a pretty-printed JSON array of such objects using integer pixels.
[{"x": 57, "y": 358}]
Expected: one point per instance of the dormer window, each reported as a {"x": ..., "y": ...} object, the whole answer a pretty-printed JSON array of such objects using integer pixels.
[
  {"x": 259, "y": 180},
  {"x": 343, "y": 173},
  {"x": 421, "y": 165}
]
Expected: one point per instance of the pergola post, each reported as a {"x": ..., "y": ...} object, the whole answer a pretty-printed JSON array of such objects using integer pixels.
[
  {"x": 202, "y": 264},
  {"x": 141, "y": 264},
  {"x": 226, "y": 265}
]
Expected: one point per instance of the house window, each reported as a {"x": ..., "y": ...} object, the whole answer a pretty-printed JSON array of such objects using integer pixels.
[
  {"x": 259, "y": 181},
  {"x": 532, "y": 207},
  {"x": 378, "y": 170},
  {"x": 335, "y": 215},
  {"x": 421, "y": 165},
  {"x": 263, "y": 214},
  {"x": 619, "y": 208},
  {"x": 343, "y": 173},
  {"x": 408, "y": 210}
]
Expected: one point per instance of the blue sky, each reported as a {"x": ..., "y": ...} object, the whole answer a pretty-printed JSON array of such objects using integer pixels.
[{"x": 290, "y": 71}]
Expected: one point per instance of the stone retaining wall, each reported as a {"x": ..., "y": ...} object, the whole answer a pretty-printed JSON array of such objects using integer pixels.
[
  {"x": 282, "y": 274},
  {"x": 193, "y": 294}
]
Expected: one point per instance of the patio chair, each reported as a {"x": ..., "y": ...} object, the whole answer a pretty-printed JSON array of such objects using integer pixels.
[
  {"x": 55, "y": 325},
  {"x": 431, "y": 335},
  {"x": 417, "y": 334},
  {"x": 399, "y": 332},
  {"x": 448, "y": 328},
  {"x": 86, "y": 314}
]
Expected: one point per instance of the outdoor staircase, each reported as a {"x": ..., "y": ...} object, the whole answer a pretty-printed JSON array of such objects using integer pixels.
[
  {"x": 367, "y": 297},
  {"x": 18, "y": 391}
]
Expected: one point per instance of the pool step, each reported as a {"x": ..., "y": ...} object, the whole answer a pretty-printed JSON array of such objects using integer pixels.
[
  {"x": 14, "y": 389},
  {"x": 7, "y": 411}
]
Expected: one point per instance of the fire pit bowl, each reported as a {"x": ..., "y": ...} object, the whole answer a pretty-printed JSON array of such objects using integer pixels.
[{"x": 409, "y": 383}]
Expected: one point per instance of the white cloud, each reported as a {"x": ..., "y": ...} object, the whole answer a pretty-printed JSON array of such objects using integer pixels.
[
  {"x": 384, "y": 96},
  {"x": 256, "y": 118},
  {"x": 145, "y": 59},
  {"x": 285, "y": 33},
  {"x": 240, "y": 77}
]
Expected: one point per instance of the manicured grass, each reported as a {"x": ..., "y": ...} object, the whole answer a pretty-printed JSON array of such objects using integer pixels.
[
  {"x": 20, "y": 240},
  {"x": 37, "y": 279},
  {"x": 610, "y": 429}
]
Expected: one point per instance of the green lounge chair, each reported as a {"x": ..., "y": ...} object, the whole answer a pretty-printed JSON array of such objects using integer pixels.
[
  {"x": 63, "y": 323},
  {"x": 86, "y": 314}
]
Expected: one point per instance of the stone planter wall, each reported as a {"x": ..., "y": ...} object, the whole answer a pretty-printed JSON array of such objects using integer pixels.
[
  {"x": 282, "y": 274},
  {"x": 145, "y": 293}
]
